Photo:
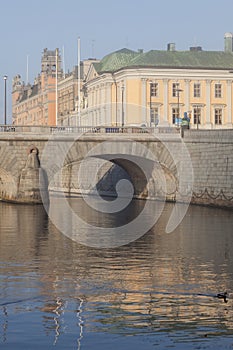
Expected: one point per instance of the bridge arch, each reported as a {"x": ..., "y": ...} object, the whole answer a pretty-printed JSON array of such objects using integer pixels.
[{"x": 149, "y": 178}]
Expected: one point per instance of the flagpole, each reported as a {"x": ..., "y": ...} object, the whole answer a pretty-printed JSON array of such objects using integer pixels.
[
  {"x": 56, "y": 86},
  {"x": 27, "y": 70},
  {"x": 79, "y": 85},
  {"x": 64, "y": 68}
]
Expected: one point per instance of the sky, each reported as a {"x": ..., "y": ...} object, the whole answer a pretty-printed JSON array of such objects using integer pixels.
[{"x": 104, "y": 26}]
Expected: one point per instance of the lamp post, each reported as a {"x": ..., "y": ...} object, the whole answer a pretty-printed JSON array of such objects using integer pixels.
[
  {"x": 150, "y": 101},
  {"x": 198, "y": 116},
  {"x": 122, "y": 107},
  {"x": 5, "y": 79},
  {"x": 178, "y": 102}
]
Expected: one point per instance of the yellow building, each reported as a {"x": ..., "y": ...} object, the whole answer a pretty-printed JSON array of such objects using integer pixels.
[
  {"x": 69, "y": 87},
  {"x": 161, "y": 87}
]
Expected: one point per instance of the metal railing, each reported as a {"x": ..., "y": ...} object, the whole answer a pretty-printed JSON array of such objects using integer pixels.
[{"x": 84, "y": 129}]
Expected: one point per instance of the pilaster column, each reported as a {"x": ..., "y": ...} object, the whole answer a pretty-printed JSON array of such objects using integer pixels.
[
  {"x": 164, "y": 121},
  {"x": 229, "y": 103},
  {"x": 101, "y": 104},
  {"x": 97, "y": 96},
  {"x": 108, "y": 101},
  {"x": 144, "y": 106},
  {"x": 91, "y": 106},
  {"x": 125, "y": 103},
  {"x": 92, "y": 97},
  {"x": 187, "y": 95},
  {"x": 208, "y": 103}
]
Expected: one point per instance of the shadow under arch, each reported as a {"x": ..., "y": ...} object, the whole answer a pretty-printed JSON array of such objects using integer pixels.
[
  {"x": 149, "y": 179},
  {"x": 152, "y": 167}
]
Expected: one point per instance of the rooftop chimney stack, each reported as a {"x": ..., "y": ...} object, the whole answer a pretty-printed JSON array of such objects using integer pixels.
[
  {"x": 228, "y": 42},
  {"x": 195, "y": 48},
  {"x": 171, "y": 47}
]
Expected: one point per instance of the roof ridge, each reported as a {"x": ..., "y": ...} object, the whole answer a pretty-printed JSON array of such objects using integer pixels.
[{"x": 126, "y": 58}]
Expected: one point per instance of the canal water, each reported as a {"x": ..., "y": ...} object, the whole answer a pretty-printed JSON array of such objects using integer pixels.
[{"x": 158, "y": 292}]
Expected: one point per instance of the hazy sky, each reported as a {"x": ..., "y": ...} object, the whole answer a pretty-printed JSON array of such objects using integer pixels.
[{"x": 104, "y": 26}]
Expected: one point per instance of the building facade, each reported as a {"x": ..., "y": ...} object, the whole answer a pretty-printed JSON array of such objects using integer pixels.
[
  {"x": 154, "y": 88},
  {"x": 55, "y": 98},
  {"x": 70, "y": 89},
  {"x": 36, "y": 104},
  {"x": 161, "y": 87}
]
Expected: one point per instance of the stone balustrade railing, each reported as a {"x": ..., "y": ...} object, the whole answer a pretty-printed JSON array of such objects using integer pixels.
[{"x": 85, "y": 129}]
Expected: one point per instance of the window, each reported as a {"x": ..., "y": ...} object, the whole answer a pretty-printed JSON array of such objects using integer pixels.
[
  {"x": 153, "y": 89},
  {"x": 218, "y": 90},
  {"x": 154, "y": 116},
  {"x": 218, "y": 116},
  {"x": 197, "y": 90},
  {"x": 175, "y": 87},
  {"x": 197, "y": 115},
  {"x": 175, "y": 114}
]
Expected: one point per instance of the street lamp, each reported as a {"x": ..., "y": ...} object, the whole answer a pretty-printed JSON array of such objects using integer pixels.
[
  {"x": 198, "y": 111},
  {"x": 150, "y": 82},
  {"x": 5, "y": 79},
  {"x": 178, "y": 102},
  {"x": 122, "y": 107}
]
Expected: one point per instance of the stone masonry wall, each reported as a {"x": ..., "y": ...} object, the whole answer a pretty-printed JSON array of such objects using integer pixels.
[{"x": 211, "y": 153}]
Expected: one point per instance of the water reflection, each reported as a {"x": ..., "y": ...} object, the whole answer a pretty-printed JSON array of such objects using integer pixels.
[
  {"x": 57, "y": 292},
  {"x": 99, "y": 229}
]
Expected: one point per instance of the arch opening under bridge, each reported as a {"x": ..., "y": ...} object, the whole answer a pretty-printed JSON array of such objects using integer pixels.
[{"x": 100, "y": 173}]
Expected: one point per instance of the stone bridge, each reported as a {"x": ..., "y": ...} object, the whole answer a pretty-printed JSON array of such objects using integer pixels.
[{"x": 160, "y": 164}]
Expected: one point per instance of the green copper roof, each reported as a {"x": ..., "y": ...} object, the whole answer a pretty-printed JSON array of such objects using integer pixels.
[
  {"x": 116, "y": 60},
  {"x": 186, "y": 59},
  {"x": 165, "y": 59}
]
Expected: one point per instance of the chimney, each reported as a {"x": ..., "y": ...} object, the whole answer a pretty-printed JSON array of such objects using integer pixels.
[
  {"x": 228, "y": 42},
  {"x": 171, "y": 47},
  {"x": 195, "y": 48}
]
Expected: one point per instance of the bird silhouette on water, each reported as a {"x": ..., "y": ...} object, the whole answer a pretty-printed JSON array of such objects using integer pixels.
[{"x": 222, "y": 296}]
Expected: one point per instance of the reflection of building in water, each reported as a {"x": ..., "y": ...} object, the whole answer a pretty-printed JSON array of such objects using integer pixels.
[
  {"x": 4, "y": 323},
  {"x": 24, "y": 225},
  {"x": 142, "y": 284},
  {"x": 54, "y": 317},
  {"x": 80, "y": 322}
]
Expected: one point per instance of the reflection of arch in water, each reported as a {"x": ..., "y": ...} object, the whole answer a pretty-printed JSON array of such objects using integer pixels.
[{"x": 8, "y": 185}]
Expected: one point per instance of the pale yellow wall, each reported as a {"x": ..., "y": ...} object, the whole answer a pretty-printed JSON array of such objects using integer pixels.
[
  {"x": 113, "y": 100},
  {"x": 134, "y": 98},
  {"x": 133, "y": 101}
]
